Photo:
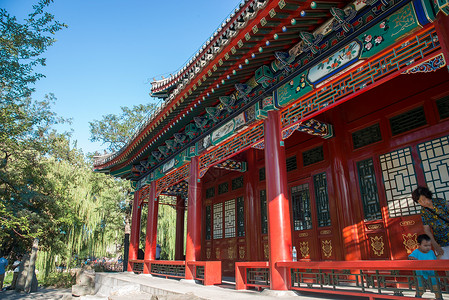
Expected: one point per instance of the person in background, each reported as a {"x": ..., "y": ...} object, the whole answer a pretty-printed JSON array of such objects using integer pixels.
[
  {"x": 3, "y": 265},
  {"x": 435, "y": 218},
  {"x": 16, "y": 267},
  {"x": 424, "y": 252},
  {"x": 158, "y": 251}
]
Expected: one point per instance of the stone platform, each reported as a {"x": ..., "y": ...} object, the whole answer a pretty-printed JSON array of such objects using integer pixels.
[{"x": 130, "y": 286}]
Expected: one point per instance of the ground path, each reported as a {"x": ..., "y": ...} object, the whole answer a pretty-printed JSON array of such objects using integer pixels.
[{"x": 41, "y": 294}]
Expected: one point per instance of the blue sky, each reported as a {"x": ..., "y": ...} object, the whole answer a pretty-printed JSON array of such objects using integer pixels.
[{"x": 112, "y": 49}]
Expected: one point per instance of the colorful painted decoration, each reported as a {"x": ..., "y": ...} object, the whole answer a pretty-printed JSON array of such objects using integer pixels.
[
  {"x": 430, "y": 65},
  {"x": 342, "y": 18},
  {"x": 259, "y": 145},
  {"x": 192, "y": 130},
  {"x": 180, "y": 138},
  {"x": 157, "y": 155},
  {"x": 285, "y": 61},
  {"x": 214, "y": 113},
  {"x": 172, "y": 145},
  {"x": 201, "y": 122},
  {"x": 223, "y": 132},
  {"x": 316, "y": 128},
  {"x": 292, "y": 90},
  {"x": 443, "y": 6},
  {"x": 232, "y": 165},
  {"x": 164, "y": 150},
  {"x": 334, "y": 63},
  {"x": 264, "y": 76},
  {"x": 179, "y": 189},
  {"x": 228, "y": 102},
  {"x": 174, "y": 163},
  {"x": 263, "y": 106},
  {"x": 242, "y": 91},
  {"x": 388, "y": 31},
  {"x": 310, "y": 42}
]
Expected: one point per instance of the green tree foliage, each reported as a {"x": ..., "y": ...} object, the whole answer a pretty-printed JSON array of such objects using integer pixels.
[
  {"x": 115, "y": 130},
  {"x": 47, "y": 188},
  {"x": 166, "y": 231},
  {"x": 22, "y": 45},
  {"x": 166, "y": 228}
]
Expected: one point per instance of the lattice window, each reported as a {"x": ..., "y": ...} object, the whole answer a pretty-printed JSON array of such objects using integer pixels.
[
  {"x": 302, "y": 215},
  {"x": 240, "y": 217},
  {"x": 399, "y": 180},
  {"x": 313, "y": 156},
  {"x": 368, "y": 190},
  {"x": 218, "y": 221},
  {"x": 407, "y": 121},
  {"x": 261, "y": 174},
  {"x": 210, "y": 192},
  {"x": 435, "y": 162},
  {"x": 264, "y": 211},
  {"x": 229, "y": 215},
  {"x": 443, "y": 107},
  {"x": 366, "y": 136},
  {"x": 322, "y": 200},
  {"x": 223, "y": 188},
  {"x": 237, "y": 183},
  {"x": 208, "y": 222},
  {"x": 291, "y": 163}
]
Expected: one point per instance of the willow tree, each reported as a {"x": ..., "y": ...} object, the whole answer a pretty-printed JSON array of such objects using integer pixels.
[
  {"x": 97, "y": 206},
  {"x": 166, "y": 228}
]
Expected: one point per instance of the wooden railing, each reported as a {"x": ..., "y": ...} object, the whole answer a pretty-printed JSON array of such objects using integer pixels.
[
  {"x": 252, "y": 274},
  {"x": 136, "y": 265},
  {"x": 209, "y": 272},
  {"x": 166, "y": 268},
  {"x": 384, "y": 279}
]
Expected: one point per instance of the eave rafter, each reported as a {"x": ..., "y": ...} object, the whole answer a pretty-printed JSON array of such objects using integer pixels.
[{"x": 192, "y": 101}]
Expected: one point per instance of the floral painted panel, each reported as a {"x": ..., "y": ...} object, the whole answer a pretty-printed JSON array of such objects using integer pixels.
[
  {"x": 334, "y": 63},
  {"x": 390, "y": 30}
]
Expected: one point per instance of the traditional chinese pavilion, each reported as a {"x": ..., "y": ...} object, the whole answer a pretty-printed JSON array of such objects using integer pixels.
[{"x": 298, "y": 123}]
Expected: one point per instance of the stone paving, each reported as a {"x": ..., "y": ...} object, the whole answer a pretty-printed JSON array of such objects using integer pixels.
[
  {"x": 41, "y": 294},
  {"x": 129, "y": 286}
]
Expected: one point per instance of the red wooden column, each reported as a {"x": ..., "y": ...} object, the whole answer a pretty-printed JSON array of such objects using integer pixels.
[
  {"x": 279, "y": 225},
  {"x": 151, "y": 237},
  {"x": 252, "y": 208},
  {"x": 179, "y": 242},
  {"x": 135, "y": 230},
  {"x": 348, "y": 220},
  {"x": 442, "y": 28},
  {"x": 193, "y": 242}
]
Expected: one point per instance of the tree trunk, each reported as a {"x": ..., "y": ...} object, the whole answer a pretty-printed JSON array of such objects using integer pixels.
[{"x": 31, "y": 267}]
